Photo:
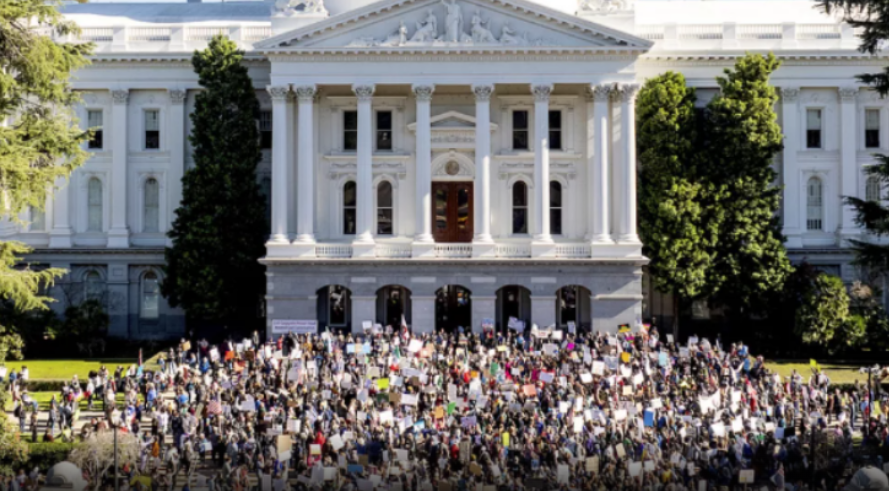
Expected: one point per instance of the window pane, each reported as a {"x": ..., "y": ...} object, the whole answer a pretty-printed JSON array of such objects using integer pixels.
[
  {"x": 520, "y": 120},
  {"x": 813, "y": 119},
  {"x": 441, "y": 209},
  {"x": 151, "y": 217},
  {"x": 94, "y": 118},
  {"x": 555, "y": 120},
  {"x": 349, "y": 224},
  {"x": 349, "y": 215},
  {"x": 349, "y": 191},
  {"x": 350, "y": 120},
  {"x": 520, "y": 220},
  {"x": 813, "y": 139},
  {"x": 384, "y": 221},
  {"x": 265, "y": 188},
  {"x": 384, "y": 120},
  {"x": 265, "y": 130},
  {"x": 350, "y": 140},
  {"x": 555, "y": 139},
  {"x": 872, "y": 189},
  {"x": 150, "y": 297},
  {"x": 94, "y": 205},
  {"x": 520, "y": 130},
  {"x": 38, "y": 219},
  {"x": 555, "y": 221},
  {"x": 814, "y": 206},
  {"x": 555, "y": 194},
  {"x": 872, "y": 119},
  {"x": 520, "y": 140},
  {"x": 152, "y": 140},
  {"x": 463, "y": 209},
  {"x": 384, "y": 195},
  {"x": 94, "y": 122},
  {"x": 519, "y": 194}
]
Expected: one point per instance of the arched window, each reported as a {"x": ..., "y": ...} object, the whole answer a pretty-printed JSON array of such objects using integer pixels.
[
  {"x": 265, "y": 188},
  {"x": 349, "y": 214},
  {"x": 94, "y": 205},
  {"x": 151, "y": 213},
  {"x": 814, "y": 204},
  {"x": 93, "y": 285},
  {"x": 519, "y": 208},
  {"x": 384, "y": 208},
  {"x": 555, "y": 208},
  {"x": 150, "y": 296},
  {"x": 38, "y": 220},
  {"x": 872, "y": 190}
]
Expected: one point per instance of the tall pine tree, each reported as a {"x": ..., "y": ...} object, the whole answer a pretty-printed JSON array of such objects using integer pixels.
[
  {"x": 220, "y": 227},
  {"x": 871, "y": 18},
  {"x": 677, "y": 226},
  {"x": 743, "y": 137}
]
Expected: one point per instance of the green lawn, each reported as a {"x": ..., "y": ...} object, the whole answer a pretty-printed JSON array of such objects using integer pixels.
[
  {"x": 839, "y": 374},
  {"x": 65, "y": 369}
]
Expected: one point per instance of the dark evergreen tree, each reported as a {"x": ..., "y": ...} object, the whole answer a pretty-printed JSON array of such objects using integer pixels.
[{"x": 220, "y": 227}]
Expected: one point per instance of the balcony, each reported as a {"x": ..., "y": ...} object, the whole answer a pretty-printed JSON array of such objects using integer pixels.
[
  {"x": 404, "y": 250},
  {"x": 734, "y": 36}
]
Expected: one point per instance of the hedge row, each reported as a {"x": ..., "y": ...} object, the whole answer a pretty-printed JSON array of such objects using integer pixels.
[{"x": 45, "y": 455}]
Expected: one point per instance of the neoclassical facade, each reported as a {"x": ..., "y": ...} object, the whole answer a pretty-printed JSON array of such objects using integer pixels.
[{"x": 449, "y": 162}]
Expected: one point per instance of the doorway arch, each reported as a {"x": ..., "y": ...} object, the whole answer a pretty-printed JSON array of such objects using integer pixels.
[
  {"x": 513, "y": 301},
  {"x": 453, "y": 308},
  {"x": 393, "y": 301},
  {"x": 573, "y": 304},
  {"x": 334, "y": 308}
]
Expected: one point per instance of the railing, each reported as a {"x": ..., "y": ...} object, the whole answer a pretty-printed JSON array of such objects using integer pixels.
[
  {"x": 573, "y": 251},
  {"x": 453, "y": 250},
  {"x": 149, "y": 34},
  {"x": 204, "y": 33},
  {"x": 96, "y": 34},
  {"x": 730, "y": 34},
  {"x": 333, "y": 251},
  {"x": 391, "y": 251},
  {"x": 759, "y": 31},
  {"x": 700, "y": 31},
  {"x": 652, "y": 33},
  {"x": 256, "y": 33},
  {"x": 512, "y": 250},
  {"x": 818, "y": 31}
]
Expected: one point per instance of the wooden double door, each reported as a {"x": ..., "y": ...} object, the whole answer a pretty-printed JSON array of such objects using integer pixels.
[{"x": 452, "y": 211}]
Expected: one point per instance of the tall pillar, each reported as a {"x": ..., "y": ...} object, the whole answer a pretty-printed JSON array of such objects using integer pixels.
[
  {"x": 627, "y": 226},
  {"x": 601, "y": 199},
  {"x": 176, "y": 123},
  {"x": 848, "y": 160},
  {"x": 364, "y": 241},
  {"x": 541, "y": 162},
  {"x": 483, "y": 243},
  {"x": 119, "y": 235},
  {"x": 282, "y": 102},
  {"x": 423, "y": 242},
  {"x": 305, "y": 175},
  {"x": 60, "y": 235},
  {"x": 792, "y": 229}
]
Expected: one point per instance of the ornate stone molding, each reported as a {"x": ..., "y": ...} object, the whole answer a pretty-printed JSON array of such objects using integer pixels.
[
  {"x": 306, "y": 93},
  {"x": 120, "y": 96},
  {"x": 363, "y": 92},
  {"x": 177, "y": 97},
  {"x": 601, "y": 92},
  {"x": 423, "y": 92},
  {"x": 790, "y": 94},
  {"x": 567, "y": 169},
  {"x": 848, "y": 94},
  {"x": 542, "y": 92},
  {"x": 395, "y": 170},
  {"x": 628, "y": 92},
  {"x": 280, "y": 93},
  {"x": 483, "y": 92}
]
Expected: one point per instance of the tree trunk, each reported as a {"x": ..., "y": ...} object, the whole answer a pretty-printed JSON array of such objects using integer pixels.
[{"x": 676, "y": 318}]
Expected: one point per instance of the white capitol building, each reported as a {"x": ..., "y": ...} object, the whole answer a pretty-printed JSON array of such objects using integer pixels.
[{"x": 447, "y": 160}]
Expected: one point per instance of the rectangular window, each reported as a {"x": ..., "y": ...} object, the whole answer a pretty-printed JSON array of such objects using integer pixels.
[
  {"x": 38, "y": 219},
  {"x": 872, "y": 128},
  {"x": 813, "y": 128},
  {"x": 520, "y": 136},
  {"x": 555, "y": 130},
  {"x": 152, "y": 130},
  {"x": 350, "y": 130},
  {"x": 384, "y": 130},
  {"x": 265, "y": 130},
  {"x": 94, "y": 122}
]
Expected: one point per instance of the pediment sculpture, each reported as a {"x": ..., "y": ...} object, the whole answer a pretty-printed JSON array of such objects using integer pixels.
[
  {"x": 287, "y": 8},
  {"x": 427, "y": 33},
  {"x": 603, "y": 6}
]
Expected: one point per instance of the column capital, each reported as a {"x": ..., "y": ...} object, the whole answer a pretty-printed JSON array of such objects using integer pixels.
[
  {"x": 306, "y": 93},
  {"x": 847, "y": 94},
  {"x": 789, "y": 94},
  {"x": 628, "y": 92},
  {"x": 483, "y": 92},
  {"x": 177, "y": 96},
  {"x": 423, "y": 92},
  {"x": 541, "y": 92},
  {"x": 364, "y": 92},
  {"x": 120, "y": 96},
  {"x": 601, "y": 92},
  {"x": 280, "y": 93}
]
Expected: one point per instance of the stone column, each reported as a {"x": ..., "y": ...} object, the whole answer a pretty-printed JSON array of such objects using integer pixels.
[
  {"x": 60, "y": 235},
  {"x": 790, "y": 121},
  {"x": 177, "y": 152},
  {"x": 305, "y": 175},
  {"x": 423, "y": 242},
  {"x": 627, "y": 226},
  {"x": 541, "y": 163},
  {"x": 848, "y": 160},
  {"x": 119, "y": 235},
  {"x": 483, "y": 243},
  {"x": 601, "y": 196},
  {"x": 543, "y": 310},
  {"x": 282, "y": 103},
  {"x": 364, "y": 241}
]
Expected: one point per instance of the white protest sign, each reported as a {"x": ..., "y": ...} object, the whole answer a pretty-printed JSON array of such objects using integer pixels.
[{"x": 282, "y": 326}]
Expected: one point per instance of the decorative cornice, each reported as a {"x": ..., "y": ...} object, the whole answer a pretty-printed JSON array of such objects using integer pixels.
[
  {"x": 457, "y": 55},
  {"x": 628, "y": 92},
  {"x": 364, "y": 92},
  {"x": 848, "y": 94},
  {"x": 542, "y": 92},
  {"x": 483, "y": 92},
  {"x": 177, "y": 96},
  {"x": 120, "y": 96},
  {"x": 423, "y": 92},
  {"x": 306, "y": 93},
  {"x": 280, "y": 93},
  {"x": 601, "y": 92},
  {"x": 790, "y": 94}
]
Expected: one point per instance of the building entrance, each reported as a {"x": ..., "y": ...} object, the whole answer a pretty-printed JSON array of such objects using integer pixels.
[
  {"x": 453, "y": 309},
  {"x": 452, "y": 211}
]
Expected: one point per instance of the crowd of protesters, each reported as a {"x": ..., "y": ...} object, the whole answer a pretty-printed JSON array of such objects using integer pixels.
[{"x": 393, "y": 410}]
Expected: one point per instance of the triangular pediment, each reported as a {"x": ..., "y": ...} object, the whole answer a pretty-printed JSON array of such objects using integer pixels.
[
  {"x": 450, "y": 25},
  {"x": 451, "y": 120}
]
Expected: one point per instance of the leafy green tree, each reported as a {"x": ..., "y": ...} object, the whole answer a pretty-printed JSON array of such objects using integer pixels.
[
  {"x": 742, "y": 138},
  {"x": 824, "y": 319},
  {"x": 39, "y": 146},
  {"x": 676, "y": 220},
  {"x": 220, "y": 227}
]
